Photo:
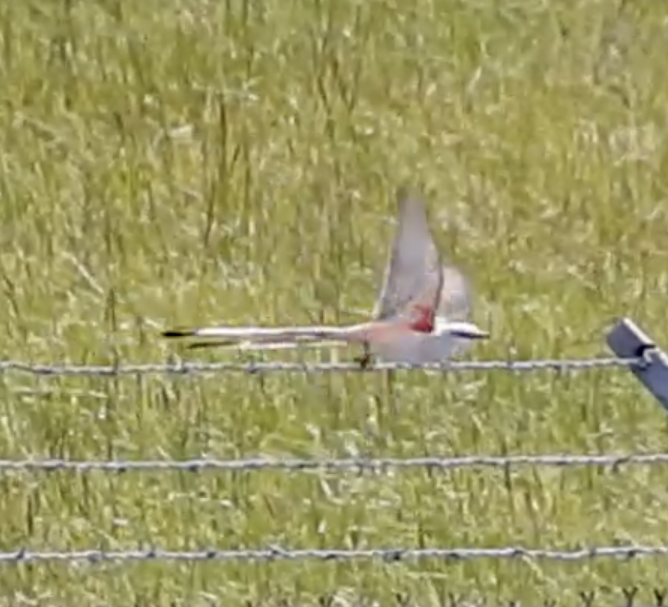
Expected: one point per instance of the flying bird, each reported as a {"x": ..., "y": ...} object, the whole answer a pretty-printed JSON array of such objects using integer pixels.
[{"x": 421, "y": 315}]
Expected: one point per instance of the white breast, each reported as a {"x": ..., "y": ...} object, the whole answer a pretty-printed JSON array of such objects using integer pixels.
[{"x": 415, "y": 348}]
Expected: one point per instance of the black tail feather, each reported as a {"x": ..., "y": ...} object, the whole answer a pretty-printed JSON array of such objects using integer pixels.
[
  {"x": 208, "y": 344},
  {"x": 178, "y": 333}
]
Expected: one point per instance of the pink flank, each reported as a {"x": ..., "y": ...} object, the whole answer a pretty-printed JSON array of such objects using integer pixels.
[{"x": 424, "y": 321}]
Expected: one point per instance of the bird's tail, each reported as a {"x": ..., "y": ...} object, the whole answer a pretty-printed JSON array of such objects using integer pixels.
[{"x": 262, "y": 337}]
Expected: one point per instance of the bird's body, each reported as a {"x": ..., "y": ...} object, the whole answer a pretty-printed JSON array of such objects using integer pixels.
[
  {"x": 420, "y": 316},
  {"x": 416, "y": 348},
  {"x": 389, "y": 342}
]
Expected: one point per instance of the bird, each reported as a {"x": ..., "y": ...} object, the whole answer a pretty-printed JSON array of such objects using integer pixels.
[{"x": 421, "y": 315}]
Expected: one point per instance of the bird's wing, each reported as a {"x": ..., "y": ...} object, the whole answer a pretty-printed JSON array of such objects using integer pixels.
[
  {"x": 413, "y": 276},
  {"x": 455, "y": 296},
  {"x": 454, "y": 304}
]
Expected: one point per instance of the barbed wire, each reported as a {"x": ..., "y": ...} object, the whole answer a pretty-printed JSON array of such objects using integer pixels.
[
  {"x": 355, "y": 464},
  {"x": 190, "y": 368},
  {"x": 275, "y": 553}
]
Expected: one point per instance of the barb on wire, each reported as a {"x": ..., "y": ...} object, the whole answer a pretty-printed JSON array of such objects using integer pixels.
[
  {"x": 275, "y": 553},
  {"x": 191, "y": 368},
  {"x": 356, "y": 464}
]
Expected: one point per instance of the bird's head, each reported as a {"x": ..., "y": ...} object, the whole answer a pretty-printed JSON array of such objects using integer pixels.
[{"x": 460, "y": 329}]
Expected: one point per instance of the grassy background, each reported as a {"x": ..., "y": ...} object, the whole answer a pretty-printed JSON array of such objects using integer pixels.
[{"x": 191, "y": 161}]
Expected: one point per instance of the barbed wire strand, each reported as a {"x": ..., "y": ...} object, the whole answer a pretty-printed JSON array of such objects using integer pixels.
[
  {"x": 356, "y": 464},
  {"x": 275, "y": 553},
  {"x": 189, "y": 368}
]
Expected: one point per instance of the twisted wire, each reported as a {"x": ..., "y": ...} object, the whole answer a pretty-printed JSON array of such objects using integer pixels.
[
  {"x": 276, "y": 553},
  {"x": 200, "y": 368},
  {"x": 355, "y": 464}
]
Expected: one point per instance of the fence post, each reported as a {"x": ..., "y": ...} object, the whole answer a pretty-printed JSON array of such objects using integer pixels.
[{"x": 627, "y": 340}]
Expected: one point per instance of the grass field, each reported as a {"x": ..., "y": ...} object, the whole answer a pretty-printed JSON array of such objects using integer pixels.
[{"x": 173, "y": 163}]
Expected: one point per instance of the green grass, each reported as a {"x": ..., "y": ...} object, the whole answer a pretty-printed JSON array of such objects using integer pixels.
[{"x": 185, "y": 162}]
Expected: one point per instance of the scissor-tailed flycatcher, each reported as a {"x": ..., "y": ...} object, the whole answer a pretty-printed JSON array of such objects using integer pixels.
[{"x": 420, "y": 316}]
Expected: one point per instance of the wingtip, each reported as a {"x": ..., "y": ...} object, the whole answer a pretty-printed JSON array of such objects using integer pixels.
[
  {"x": 403, "y": 195},
  {"x": 409, "y": 198},
  {"x": 199, "y": 345}
]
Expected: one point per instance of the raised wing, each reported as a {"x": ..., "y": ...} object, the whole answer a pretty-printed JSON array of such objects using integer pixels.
[
  {"x": 413, "y": 276},
  {"x": 454, "y": 305},
  {"x": 455, "y": 296}
]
